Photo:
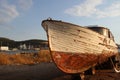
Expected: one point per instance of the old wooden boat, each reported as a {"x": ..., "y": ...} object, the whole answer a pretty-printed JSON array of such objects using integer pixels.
[{"x": 75, "y": 49}]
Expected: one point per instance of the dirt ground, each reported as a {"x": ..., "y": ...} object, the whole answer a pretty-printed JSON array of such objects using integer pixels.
[
  {"x": 100, "y": 75},
  {"x": 48, "y": 71},
  {"x": 42, "y": 71}
]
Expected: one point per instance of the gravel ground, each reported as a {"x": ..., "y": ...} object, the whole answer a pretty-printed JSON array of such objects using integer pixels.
[
  {"x": 100, "y": 75},
  {"x": 43, "y": 71},
  {"x": 48, "y": 71}
]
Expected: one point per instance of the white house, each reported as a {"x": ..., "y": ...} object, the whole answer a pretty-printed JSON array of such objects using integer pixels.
[{"x": 4, "y": 48}]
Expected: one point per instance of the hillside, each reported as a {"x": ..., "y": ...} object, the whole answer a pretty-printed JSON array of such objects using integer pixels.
[
  {"x": 6, "y": 39},
  {"x": 16, "y": 44}
]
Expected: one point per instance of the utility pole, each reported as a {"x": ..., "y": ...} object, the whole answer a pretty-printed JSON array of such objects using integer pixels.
[{"x": 0, "y": 45}]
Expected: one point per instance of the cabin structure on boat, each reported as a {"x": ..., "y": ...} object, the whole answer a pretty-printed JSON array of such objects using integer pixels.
[{"x": 102, "y": 30}]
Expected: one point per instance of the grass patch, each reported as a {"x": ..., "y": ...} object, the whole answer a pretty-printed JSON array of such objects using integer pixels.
[{"x": 27, "y": 58}]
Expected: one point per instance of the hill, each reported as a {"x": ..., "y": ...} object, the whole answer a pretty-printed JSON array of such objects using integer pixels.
[
  {"x": 16, "y": 44},
  {"x": 6, "y": 39}
]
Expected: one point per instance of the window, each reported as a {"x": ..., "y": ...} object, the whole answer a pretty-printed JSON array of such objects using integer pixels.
[
  {"x": 111, "y": 36},
  {"x": 97, "y": 29}
]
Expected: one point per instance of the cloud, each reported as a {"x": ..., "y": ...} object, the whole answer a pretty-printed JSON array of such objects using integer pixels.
[
  {"x": 85, "y": 9},
  {"x": 7, "y": 12},
  {"x": 25, "y": 4},
  {"x": 91, "y": 8},
  {"x": 10, "y": 11}
]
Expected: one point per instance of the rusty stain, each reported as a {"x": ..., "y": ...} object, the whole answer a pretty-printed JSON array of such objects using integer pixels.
[
  {"x": 76, "y": 62},
  {"x": 100, "y": 38},
  {"x": 78, "y": 30}
]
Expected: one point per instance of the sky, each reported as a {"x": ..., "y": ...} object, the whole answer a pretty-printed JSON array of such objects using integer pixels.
[{"x": 21, "y": 19}]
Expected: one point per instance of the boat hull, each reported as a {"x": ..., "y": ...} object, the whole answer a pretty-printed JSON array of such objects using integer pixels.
[
  {"x": 76, "y": 62},
  {"x": 75, "y": 49}
]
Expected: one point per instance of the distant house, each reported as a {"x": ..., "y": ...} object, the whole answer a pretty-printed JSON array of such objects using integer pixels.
[
  {"x": 14, "y": 49},
  {"x": 37, "y": 49},
  {"x": 4, "y": 48},
  {"x": 23, "y": 47}
]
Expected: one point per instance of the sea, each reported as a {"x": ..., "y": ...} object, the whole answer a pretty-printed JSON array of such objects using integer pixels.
[{"x": 19, "y": 51}]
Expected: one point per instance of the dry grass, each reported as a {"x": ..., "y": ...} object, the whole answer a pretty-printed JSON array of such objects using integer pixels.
[{"x": 28, "y": 58}]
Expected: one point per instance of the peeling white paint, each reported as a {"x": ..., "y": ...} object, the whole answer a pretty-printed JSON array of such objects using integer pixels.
[{"x": 65, "y": 37}]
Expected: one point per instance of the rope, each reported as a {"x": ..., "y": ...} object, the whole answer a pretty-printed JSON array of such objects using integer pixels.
[{"x": 114, "y": 67}]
